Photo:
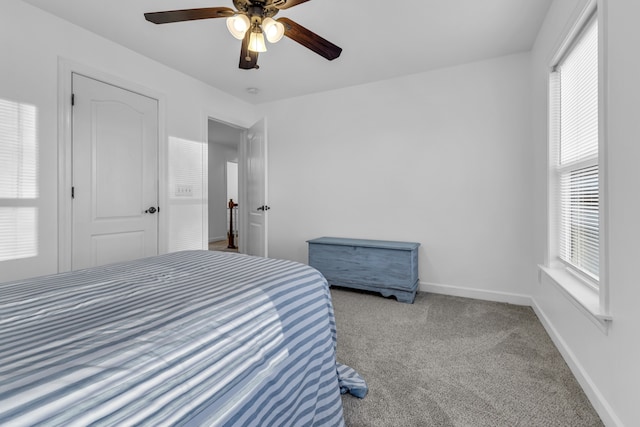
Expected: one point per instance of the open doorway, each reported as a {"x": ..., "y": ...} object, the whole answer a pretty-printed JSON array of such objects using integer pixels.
[{"x": 223, "y": 194}]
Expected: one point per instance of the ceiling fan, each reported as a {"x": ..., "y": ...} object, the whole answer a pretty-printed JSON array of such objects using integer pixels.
[{"x": 251, "y": 22}]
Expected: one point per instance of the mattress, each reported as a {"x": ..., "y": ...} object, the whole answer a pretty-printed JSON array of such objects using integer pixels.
[{"x": 187, "y": 338}]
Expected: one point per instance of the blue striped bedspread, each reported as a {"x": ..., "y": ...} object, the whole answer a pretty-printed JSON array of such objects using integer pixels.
[{"x": 187, "y": 338}]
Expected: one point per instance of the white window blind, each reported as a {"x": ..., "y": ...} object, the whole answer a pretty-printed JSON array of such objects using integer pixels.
[
  {"x": 18, "y": 180},
  {"x": 18, "y": 151},
  {"x": 574, "y": 85}
]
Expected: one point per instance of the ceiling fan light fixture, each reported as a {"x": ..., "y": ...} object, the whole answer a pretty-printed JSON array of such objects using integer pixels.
[
  {"x": 256, "y": 42},
  {"x": 273, "y": 29},
  {"x": 238, "y": 25}
]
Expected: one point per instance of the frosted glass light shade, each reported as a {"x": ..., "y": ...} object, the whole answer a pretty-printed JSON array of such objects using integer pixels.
[
  {"x": 256, "y": 43},
  {"x": 273, "y": 29},
  {"x": 238, "y": 25}
]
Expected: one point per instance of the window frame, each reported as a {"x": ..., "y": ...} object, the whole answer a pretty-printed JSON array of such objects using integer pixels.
[{"x": 589, "y": 297}]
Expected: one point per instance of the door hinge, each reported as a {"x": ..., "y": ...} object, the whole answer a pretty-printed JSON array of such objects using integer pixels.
[
  {"x": 73, "y": 99},
  {"x": 73, "y": 192}
]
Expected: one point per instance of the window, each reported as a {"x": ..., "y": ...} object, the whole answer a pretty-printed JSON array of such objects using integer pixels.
[
  {"x": 575, "y": 170},
  {"x": 574, "y": 86},
  {"x": 18, "y": 181}
]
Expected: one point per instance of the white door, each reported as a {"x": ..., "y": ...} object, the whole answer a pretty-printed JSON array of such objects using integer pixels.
[
  {"x": 256, "y": 175},
  {"x": 115, "y": 174}
]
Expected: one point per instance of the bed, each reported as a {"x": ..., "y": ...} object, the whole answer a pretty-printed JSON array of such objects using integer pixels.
[{"x": 187, "y": 338}]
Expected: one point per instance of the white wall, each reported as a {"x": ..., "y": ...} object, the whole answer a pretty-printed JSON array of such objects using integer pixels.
[
  {"x": 606, "y": 365},
  {"x": 442, "y": 158},
  {"x": 32, "y": 41}
]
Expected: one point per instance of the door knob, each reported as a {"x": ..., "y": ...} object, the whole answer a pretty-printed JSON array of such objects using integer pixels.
[
  {"x": 151, "y": 210},
  {"x": 263, "y": 208}
]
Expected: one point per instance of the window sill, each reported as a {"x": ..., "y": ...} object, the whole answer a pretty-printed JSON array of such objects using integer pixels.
[{"x": 582, "y": 296}]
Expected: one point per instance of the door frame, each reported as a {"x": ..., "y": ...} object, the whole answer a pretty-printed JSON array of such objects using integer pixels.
[
  {"x": 66, "y": 69},
  {"x": 242, "y": 124}
]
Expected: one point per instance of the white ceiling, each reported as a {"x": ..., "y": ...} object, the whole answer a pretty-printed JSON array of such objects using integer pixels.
[{"x": 380, "y": 39}]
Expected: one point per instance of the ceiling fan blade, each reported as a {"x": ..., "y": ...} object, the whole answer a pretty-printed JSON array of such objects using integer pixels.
[
  {"x": 248, "y": 58},
  {"x": 286, "y": 4},
  {"x": 310, "y": 39},
  {"x": 188, "y": 14}
]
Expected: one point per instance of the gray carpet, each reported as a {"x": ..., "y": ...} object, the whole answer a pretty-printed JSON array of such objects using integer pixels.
[{"x": 450, "y": 361}]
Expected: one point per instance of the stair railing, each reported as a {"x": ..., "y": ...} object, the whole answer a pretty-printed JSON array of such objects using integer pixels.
[{"x": 233, "y": 230}]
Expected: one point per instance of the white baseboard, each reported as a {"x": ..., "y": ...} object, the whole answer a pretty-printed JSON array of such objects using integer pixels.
[
  {"x": 459, "y": 291},
  {"x": 217, "y": 239},
  {"x": 596, "y": 398}
]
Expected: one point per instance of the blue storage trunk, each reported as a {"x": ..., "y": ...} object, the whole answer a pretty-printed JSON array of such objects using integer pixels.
[{"x": 388, "y": 267}]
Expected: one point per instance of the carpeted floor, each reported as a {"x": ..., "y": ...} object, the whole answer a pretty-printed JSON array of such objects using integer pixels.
[{"x": 450, "y": 361}]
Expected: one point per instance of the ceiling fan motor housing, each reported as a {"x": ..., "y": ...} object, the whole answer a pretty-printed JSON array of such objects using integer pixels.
[
  {"x": 256, "y": 14},
  {"x": 260, "y": 8}
]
